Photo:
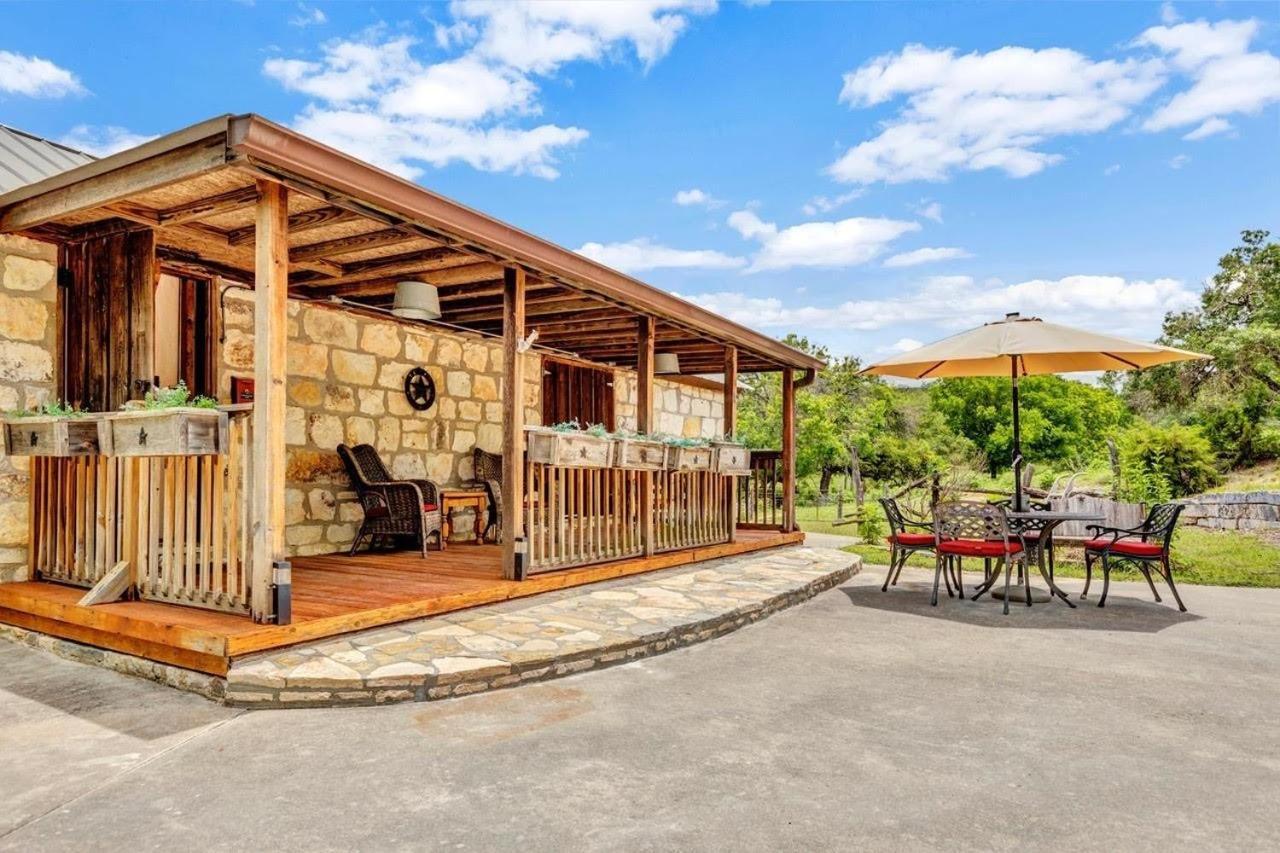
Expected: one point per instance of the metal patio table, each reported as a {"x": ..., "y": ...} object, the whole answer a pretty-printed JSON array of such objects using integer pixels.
[{"x": 1042, "y": 522}]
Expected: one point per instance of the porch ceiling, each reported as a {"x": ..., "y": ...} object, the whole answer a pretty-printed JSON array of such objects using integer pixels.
[{"x": 355, "y": 230}]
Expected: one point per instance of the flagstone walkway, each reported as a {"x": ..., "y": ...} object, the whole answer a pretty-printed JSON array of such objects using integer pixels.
[{"x": 549, "y": 636}]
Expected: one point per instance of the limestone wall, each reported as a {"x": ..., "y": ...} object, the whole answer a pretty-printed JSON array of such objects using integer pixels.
[
  {"x": 28, "y": 339},
  {"x": 346, "y": 375},
  {"x": 1258, "y": 511},
  {"x": 679, "y": 409}
]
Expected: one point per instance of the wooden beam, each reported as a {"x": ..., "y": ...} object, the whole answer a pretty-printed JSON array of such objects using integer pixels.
[
  {"x": 130, "y": 180},
  {"x": 449, "y": 266},
  {"x": 203, "y": 208},
  {"x": 730, "y": 427},
  {"x": 352, "y": 243},
  {"x": 512, "y": 421},
  {"x": 454, "y": 275},
  {"x": 645, "y": 423},
  {"x": 270, "y": 333},
  {"x": 306, "y": 220},
  {"x": 788, "y": 449}
]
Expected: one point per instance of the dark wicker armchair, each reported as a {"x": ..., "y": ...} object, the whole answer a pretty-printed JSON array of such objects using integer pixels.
[
  {"x": 391, "y": 507},
  {"x": 488, "y": 475}
]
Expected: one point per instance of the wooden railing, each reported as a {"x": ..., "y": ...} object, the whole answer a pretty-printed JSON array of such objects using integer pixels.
[
  {"x": 181, "y": 523},
  {"x": 760, "y": 493},
  {"x": 691, "y": 508},
  {"x": 579, "y": 516}
]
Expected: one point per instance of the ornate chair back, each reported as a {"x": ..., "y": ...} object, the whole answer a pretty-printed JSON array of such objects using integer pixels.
[
  {"x": 1160, "y": 523},
  {"x": 970, "y": 520}
]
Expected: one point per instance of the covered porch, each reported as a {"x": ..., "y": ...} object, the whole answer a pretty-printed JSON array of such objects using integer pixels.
[{"x": 244, "y": 212}]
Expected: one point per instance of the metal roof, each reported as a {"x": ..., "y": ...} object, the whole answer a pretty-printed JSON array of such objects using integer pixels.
[{"x": 26, "y": 158}]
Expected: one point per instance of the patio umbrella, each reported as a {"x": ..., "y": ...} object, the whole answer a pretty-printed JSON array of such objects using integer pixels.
[{"x": 1025, "y": 346}]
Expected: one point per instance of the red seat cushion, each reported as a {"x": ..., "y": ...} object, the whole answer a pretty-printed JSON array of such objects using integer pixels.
[
  {"x": 426, "y": 507},
  {"x": 1131, "y": 547},
  {"x": 911, "y": 540},
  {"x": 977, "y": 547}
]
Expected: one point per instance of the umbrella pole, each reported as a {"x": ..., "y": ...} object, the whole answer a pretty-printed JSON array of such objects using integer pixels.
[{"x": 1017, "y": 439}]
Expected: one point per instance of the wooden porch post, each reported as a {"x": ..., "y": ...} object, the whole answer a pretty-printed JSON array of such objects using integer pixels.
[
  {"x": 271, "y": 283},
  {"x": 513, "y": 287},
  {"x": 788, "y": 450},
  {"x": 730, "y": 427},
  {"x": 644, "y": 423}
]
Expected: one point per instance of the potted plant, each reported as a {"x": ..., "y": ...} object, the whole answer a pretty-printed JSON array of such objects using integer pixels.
[
  {"x": 639, "y": 451},
  {"x": 730, "y": 456},
  {"x": 167, "y": 422},
  {"x": 569, "y": 446},
  {"x": 51, "y": 429},
  {"x": 687, "y": 454}
]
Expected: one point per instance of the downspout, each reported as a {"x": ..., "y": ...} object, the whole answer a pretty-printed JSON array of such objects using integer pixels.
[{"x": 805, "y": 381}]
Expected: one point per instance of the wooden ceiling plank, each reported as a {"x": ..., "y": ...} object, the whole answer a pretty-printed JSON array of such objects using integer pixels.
[
  {"x": 352, "y": 243},
  {"x": 299, "y": 222},
  {"x": 227, "y": 202}
]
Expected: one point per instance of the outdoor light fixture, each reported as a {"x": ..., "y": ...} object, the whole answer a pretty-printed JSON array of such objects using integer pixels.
[
  {"x": 666, "y": 362},
  {"x": 416, "y": 300}
]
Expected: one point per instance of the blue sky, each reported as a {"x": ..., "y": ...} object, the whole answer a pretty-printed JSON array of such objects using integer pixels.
[{"x": 867, "y": 175}]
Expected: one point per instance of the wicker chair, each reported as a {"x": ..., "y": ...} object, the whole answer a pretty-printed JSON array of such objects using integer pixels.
[
  {"x": 488, "y": 474},
  {"x": 1145, "y": 547},
  {"x": 975, "y": 529},
  {"x": 391, "y": 507}
]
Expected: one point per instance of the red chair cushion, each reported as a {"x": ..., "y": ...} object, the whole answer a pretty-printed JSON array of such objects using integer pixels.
[
  {"x": 1131, "y": 547},
  {"x": 911, "y": 540},
  {"x": 977, "y": 547},
  {"x": 426, "y": 507}
]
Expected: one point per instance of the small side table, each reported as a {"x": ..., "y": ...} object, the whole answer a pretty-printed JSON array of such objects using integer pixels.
[{"x": 451, "y": 499}]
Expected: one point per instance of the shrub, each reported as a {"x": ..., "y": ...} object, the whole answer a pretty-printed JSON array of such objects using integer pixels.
[{"x": 1161, "y": 463}]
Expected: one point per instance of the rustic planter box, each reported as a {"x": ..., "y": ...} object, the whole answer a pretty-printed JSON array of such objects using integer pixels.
[
  {"x": 567, "y": 449},
  {"x": 688, "y": 458},
  {"x": 639, "y": 454},
  {"x": 165, "y": 432},
  {"x": 729, "y": 458},
  {"x": 51, "y": 436}
]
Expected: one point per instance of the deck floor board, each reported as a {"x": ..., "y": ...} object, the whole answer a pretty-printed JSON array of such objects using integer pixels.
[{"x": 332, "y": 594}]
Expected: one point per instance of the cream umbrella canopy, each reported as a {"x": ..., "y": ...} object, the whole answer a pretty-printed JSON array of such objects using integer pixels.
[{"x": 1025, "y": 346}]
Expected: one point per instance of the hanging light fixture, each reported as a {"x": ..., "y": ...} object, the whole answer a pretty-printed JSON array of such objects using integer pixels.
[
  {"x": 666, "y": 362},
  {"x": 416, "y": 300}
]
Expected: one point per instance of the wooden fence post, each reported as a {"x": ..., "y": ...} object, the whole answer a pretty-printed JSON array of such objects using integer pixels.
[{"x": 645, "y": 425}]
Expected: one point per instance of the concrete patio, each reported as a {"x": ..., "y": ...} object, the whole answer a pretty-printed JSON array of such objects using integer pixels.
[{"x": 858, "y": 719}]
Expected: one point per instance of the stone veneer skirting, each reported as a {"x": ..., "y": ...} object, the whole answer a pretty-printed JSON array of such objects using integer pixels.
[{"x": 488, "y": 648}]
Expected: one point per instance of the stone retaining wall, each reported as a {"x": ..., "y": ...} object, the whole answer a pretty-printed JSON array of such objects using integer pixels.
[
  {"x": 1253, "y": 511},
  {"x": 28, "y": 340}
]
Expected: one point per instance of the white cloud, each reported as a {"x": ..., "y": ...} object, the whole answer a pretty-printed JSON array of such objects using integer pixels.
[
  {"x": 929, "y": 210},
  {"x": 308, "y": 16},
  {"x": 103, "y": 140},
  {"x": 826, "y": 204},
  {"x": 925, "y": 256},
  {"x": 540, "y": 35},
  {"x": 846, "y": 242},
  {"x": 372, "y": 95},
  {"x": 950, "y": 303},
  {"x": 1168, "y": 14},
  {"x": 1226, "y": 76},
  {"x": 1177, "y": 161},
  {"x": 696, "y": 198},
  {"x": 1111, "y": 170},
  {"x": 1209, "y": 127},
  {"x": 984, "y": 110},
  {"x": 640, "y": 254},
  {"x": 905, "y": 345},
  {"x": 35, "y": 77}
]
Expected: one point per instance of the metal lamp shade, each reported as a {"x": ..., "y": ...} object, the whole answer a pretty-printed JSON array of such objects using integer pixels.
[
  {"x": 666, "y": 362},
  {"x": 416, "y": 300}
]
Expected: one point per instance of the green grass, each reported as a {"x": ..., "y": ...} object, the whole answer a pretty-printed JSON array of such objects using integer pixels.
[
  {"x": 819, "y": 520},
  {"x": 1199, "y": 557},
  {"x": 1259, "y": 478}
]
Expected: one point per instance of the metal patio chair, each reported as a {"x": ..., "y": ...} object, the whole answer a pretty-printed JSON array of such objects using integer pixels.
[
  {"x": 975, "y": 529},
  {"x": 1143, "y": 546},
  {"x": 903, "y": 542},
  {"x": 391, "y": 507}
]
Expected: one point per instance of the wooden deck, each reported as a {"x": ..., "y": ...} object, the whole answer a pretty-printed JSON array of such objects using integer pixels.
[{"x": 331, "y": 595}]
